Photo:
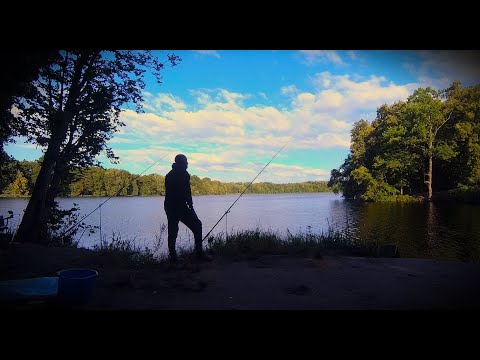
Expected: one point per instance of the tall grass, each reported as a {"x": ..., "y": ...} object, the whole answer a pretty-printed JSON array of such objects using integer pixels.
[
  {"x": 242, "y": 244},
  {"x": 252, "y": 243},
  {"x": 127, "y": 252}
]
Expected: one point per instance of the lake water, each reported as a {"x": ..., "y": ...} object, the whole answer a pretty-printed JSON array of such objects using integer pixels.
[{"x": 446, "y": 231}]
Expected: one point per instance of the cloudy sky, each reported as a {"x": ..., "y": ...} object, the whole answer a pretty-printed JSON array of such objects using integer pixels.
[{"x": 230, "y": 111}]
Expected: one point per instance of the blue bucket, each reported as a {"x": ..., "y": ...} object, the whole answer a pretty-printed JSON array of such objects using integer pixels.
[{"x": 76, "y": 286}]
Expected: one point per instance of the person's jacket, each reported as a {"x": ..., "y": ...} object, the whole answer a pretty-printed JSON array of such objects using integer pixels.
[{"x": 177, "y": 188}]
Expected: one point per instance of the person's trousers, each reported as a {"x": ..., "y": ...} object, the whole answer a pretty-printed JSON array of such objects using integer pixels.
[{"x": 191, "y": 220}]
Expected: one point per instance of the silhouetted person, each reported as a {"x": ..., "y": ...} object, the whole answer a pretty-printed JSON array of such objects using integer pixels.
[{"x": 179, "y": 207}]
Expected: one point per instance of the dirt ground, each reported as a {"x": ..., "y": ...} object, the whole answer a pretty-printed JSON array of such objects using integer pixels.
[{"x": 264, "y": 283}]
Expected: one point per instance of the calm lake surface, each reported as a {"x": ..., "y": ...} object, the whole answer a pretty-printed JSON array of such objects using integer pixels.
[{"x": 444, "y": 231}]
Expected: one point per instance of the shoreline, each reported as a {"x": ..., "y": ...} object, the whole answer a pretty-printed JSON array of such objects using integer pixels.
[{"x": 255, "y": 283}]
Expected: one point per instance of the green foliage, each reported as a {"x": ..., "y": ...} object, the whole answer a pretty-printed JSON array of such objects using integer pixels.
[
  {"x": 19, "y": 187},
  {"x": 373, "y": 189},
  {"x": 404, "y": 199},
  {"x": 30, "y": 169},
  {"x": 152, "y": 184},
  {"x": 360, "y": 135},
  {"x": 469, "y": 194},
  {"x": 7, "y": 170},
  {"x": 389, "y": 157},
  {"x": 59, "y": 221},
  {"x": 444, "y": 151}
]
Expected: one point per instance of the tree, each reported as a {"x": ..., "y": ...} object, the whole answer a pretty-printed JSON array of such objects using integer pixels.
[
  {"x": 30, "y": 169},
  {"x": 393, "y": 159},
  {"x": 427, "y": 114},
  {"x": 73, "y": 109},
  {"x": 19, "y": 68},
  {"x": 7, "y": 170},
  {"x": 462, "y": 136},
  {"x": 360, "y": 136},
  {"x": 152, "y": 184},
  {"x": 432, "y": 135},
  {"x": 19, "y": 187},
  {"x": 341, "y": 178},
  {"x": 117, "y": 182}
]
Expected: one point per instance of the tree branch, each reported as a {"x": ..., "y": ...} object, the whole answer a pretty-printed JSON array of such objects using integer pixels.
[
  {"x": 448, "y": 118},
  {"x": 50, "y": 96},
  {"x": 61, "y": 84},
  {"x": 74, "y": 87},
  {"x": 87, "y": 75}
]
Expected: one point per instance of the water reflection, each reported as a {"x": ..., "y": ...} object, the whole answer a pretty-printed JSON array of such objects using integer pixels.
[{"x": 443, "y": 231}]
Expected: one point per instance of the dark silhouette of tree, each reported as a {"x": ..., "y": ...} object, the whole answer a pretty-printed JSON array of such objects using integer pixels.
[
  {"x": 19, "y": 68},
  {"x": 72, "y": 109}
]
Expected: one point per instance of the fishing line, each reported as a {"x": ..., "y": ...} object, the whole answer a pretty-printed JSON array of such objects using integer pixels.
[
  {"x": 118, "y": 192},
  {"x": 228, "y": 210}
]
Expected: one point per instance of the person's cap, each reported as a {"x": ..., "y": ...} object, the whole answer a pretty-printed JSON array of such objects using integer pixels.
[{"x": 180, "y": 158}]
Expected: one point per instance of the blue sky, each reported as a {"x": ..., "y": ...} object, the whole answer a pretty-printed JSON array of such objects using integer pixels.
[{"x": 229, "y": 111}]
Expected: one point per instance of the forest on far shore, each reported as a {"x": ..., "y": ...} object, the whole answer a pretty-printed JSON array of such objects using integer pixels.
[{"x": 20, "y": 178}]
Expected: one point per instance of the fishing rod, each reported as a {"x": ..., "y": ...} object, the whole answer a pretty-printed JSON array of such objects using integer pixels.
[
  {"x": 118, "y": 192},
  {"x": 243, "y": 192}
]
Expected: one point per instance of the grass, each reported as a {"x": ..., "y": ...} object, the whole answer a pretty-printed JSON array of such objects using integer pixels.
[
  {"x": 126, "y": 252},
  {"x": 241, "y": 245},
  {"x": 254, "y": 243}
]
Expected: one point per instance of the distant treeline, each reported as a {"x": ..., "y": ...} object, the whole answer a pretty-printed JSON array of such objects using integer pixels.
[{"x": 20, "y": 178}]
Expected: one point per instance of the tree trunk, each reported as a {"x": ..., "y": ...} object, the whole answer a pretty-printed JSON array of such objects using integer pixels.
[
  {"x": 430, "y": 163},
  {"x": 34, "y": 220},
  {"x": 59, "y": 172},
  {"x": 430, "y": 166}
]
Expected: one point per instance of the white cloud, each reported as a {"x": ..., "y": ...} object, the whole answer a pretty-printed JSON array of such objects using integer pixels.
[
  {"x": 213, "y": 53},
  {"x": 262, "y": 95},
  {"x": 202, "y": 97},
  {"x": 163, "y": 102},
  {"x": 146, "y": 124},
  {"x": 311, "y": 57},
  {"x": 325, "y": 100},
  {"x": 289, "y": 90},
  {"x": 369, "y": 93},
  {"x": 334, "y": 140},
  {"x": 280, "y": 173},
  {"x": 318, "y": 120},
  {"x": 275, "y": 172},
  {"x": 221, "y": 135},
  {"x": 119, "y": 140},
  {"x": 231, "y": 97}
]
